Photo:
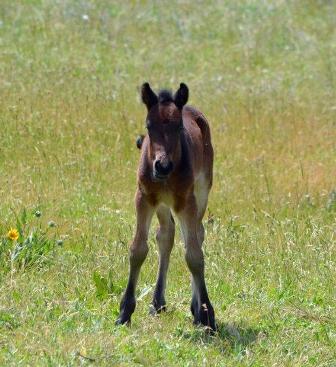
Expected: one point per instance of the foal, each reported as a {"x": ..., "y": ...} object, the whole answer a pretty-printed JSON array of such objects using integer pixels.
[{"x": 175, "y": 172}]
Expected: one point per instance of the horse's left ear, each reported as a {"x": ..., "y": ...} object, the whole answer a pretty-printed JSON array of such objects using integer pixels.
[{"x": 181, "y": 96}]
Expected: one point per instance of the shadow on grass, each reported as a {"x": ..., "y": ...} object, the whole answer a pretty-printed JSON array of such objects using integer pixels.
[{"x": 229, "y": 338}]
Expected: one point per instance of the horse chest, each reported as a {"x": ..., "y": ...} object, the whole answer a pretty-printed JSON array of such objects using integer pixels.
[{"x": 166, "y": 197}]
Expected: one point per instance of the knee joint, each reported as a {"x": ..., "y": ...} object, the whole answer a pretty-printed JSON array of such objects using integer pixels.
[
  {"x": 138, "y": 253},
  {"x": 195, "y": 259}
]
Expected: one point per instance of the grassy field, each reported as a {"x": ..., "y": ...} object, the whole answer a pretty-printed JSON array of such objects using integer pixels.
[{"x": 264, "y": 73}]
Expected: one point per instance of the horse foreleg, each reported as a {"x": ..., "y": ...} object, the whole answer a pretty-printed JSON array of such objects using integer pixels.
[
  {"x": 138, "y": 253},
  {"x": 201, "y": 306}
]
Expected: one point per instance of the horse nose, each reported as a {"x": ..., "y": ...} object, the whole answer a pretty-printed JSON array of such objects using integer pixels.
[{"x": 163, "y": 168}]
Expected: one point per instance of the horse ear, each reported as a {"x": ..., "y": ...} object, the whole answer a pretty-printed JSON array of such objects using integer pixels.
[
  {"x": 181, "y": 96},
  {"x": 149, "y": 98}
]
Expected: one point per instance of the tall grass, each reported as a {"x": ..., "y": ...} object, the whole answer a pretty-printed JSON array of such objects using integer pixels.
[{"x": 263, "y": 72}]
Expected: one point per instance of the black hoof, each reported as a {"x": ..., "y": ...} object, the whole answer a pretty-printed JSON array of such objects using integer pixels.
[
  {"x": 205, "y": 316},
  {"x": 127, "y": 307},
  {"x": 157, "y": 307},
  {"x": 123, "y": 320}
]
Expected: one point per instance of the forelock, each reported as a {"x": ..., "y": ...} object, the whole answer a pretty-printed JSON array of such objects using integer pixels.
[{"x": 165, "y": 96}]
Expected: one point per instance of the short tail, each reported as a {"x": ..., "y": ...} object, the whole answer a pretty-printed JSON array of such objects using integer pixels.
[{"x": 139, "y": 141}]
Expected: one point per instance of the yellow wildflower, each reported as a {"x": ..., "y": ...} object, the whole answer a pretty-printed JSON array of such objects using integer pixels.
[{"x": 13, "y": 234}]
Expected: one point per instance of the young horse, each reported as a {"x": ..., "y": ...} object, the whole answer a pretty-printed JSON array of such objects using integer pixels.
[{"x": 175, "y": 172}]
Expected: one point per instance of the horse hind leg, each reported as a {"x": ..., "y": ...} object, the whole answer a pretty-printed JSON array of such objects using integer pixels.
[
  {"x": 165, "y": 239},
  {"x": 201, "y": 193},
  {"x": 200, "y": 237}
]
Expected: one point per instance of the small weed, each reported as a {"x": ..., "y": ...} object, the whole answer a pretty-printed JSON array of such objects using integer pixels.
[
  {"x": 105, "y": 286},
  {"x": 331, "y": 202},
  {"x": 8, "y": 320},
  {"x": 28, "y": 244}
]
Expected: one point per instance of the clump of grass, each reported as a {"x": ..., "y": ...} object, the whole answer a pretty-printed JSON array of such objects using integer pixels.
[
  {"x": 28, "y": 244},
  {"x": 105, "y": 286}
]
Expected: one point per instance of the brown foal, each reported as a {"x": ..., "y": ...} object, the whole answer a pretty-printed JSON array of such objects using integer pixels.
[{"x": 175, "y": 172}]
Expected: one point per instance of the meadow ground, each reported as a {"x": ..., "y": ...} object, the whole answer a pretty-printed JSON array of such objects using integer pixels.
[{"x": 263, "y": 72}]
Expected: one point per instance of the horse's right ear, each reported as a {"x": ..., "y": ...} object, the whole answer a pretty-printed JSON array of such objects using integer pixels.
[{"x": 149, "y": 98}]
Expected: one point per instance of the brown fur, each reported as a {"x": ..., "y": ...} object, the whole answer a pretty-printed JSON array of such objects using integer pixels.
[
  {"x": 175, "y": 171},
  {"x": 197, "y": 157}
]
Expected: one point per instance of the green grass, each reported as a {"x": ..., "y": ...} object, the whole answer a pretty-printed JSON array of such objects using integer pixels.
[{"x": 263, "y": 72}]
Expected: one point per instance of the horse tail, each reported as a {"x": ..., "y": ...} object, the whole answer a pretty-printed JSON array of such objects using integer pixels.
[{"x": 203, "y": 124}]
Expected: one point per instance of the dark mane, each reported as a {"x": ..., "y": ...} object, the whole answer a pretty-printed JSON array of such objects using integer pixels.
[{"x": 165, "y": 96}]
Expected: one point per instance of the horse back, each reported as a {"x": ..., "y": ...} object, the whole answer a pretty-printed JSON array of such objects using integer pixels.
[{"x": 199, "y": 142}]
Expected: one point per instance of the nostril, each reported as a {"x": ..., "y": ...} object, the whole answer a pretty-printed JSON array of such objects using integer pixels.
[
  {"x": 157, "y": 166},
  {"x": 170, "y": 167}
]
